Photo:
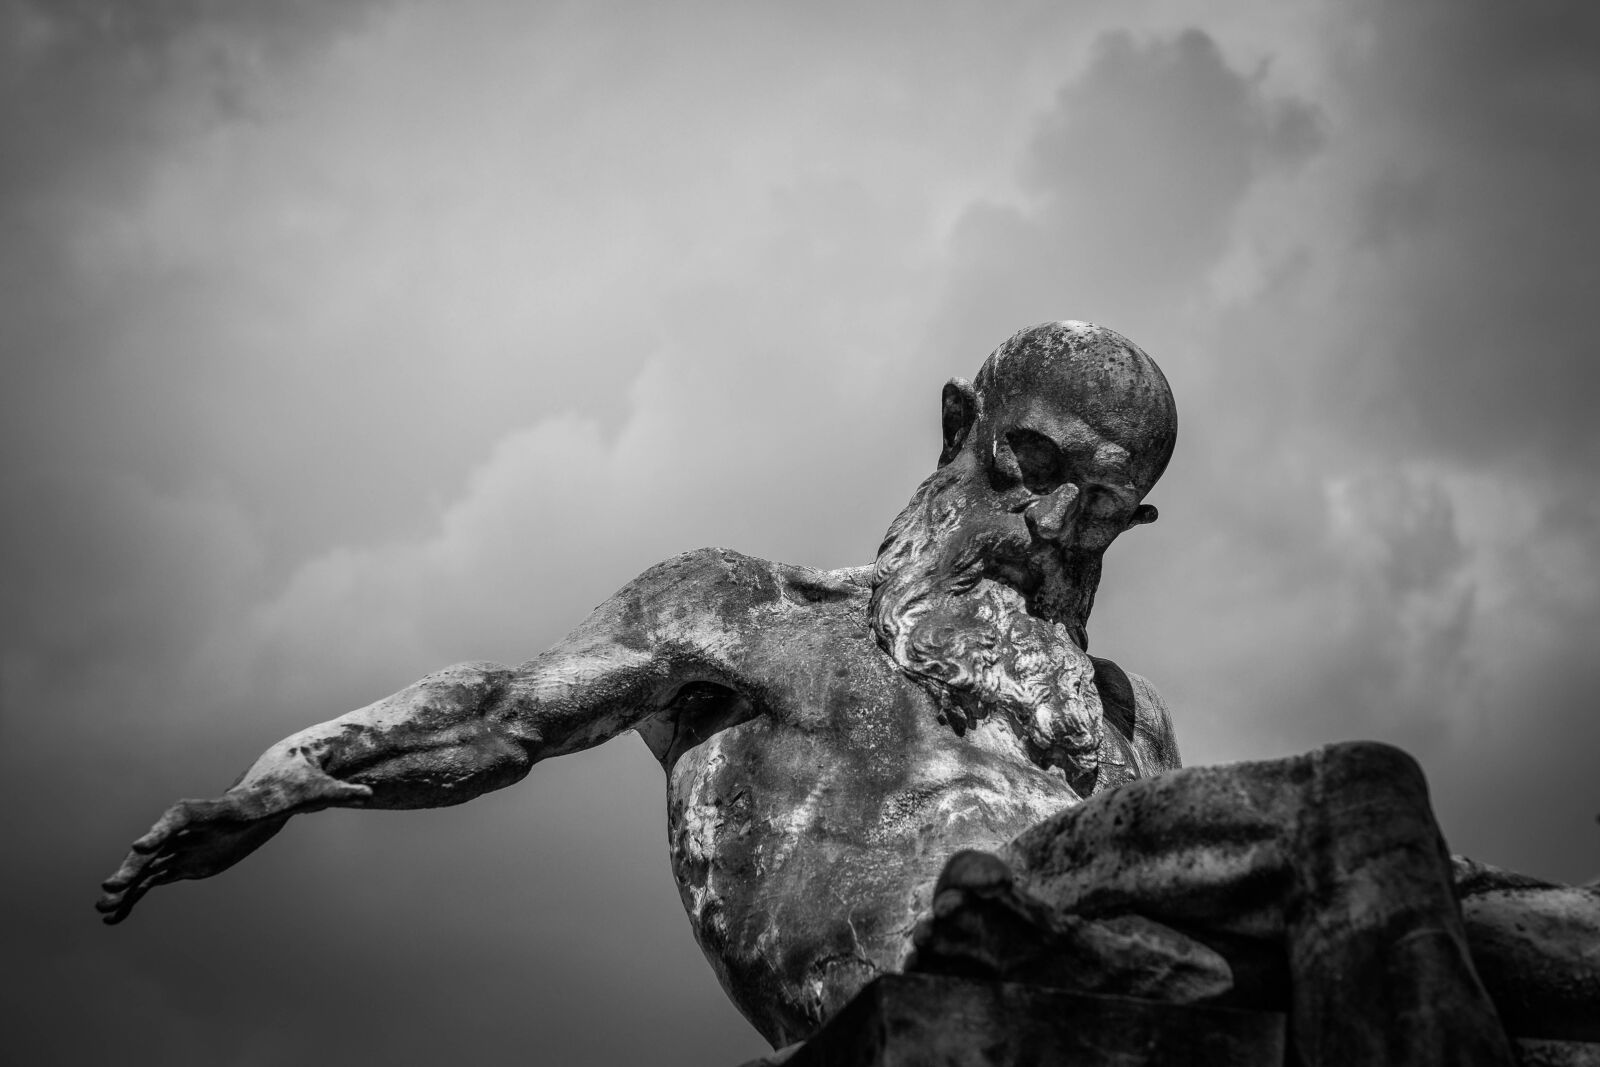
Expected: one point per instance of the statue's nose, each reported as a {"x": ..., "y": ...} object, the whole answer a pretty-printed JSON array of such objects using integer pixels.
[{"x": 1050, "y": 518}]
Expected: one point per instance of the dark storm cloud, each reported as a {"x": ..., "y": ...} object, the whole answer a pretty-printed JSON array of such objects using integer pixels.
[
  {"x": 122, "y": 559},
  {"x": 87, "y": 72},
  {"x": 1134, "y": 178},
  {"x": 1482, "y": 223},
  {"x": 1162, "y": 212},
  {"x": 96, "y": 92}
]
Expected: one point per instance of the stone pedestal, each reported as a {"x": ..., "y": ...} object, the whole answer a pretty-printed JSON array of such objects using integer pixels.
[
  {"x": 921, "y": 1020},
  {"x": 918, "y": 1020}
]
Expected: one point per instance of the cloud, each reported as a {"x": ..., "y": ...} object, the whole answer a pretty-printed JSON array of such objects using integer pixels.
[
  {"x": 1478, "y": 235},
  {"x": 1397, "y": 535},
  {"x": 1131, "y": 183},
  {"x": 100, "y": 87}
]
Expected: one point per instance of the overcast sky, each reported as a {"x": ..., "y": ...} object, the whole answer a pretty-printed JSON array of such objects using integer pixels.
[{"x": 342, "y": 342}]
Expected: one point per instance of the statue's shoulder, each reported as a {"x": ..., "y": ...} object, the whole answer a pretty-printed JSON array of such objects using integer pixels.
[
  {"x": 1135, "y": 709},
  {"x": 735, "y": 580}
]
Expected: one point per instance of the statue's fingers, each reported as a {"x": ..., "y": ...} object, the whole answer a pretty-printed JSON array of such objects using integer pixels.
[
  {"x": 125, "y": 874},
  {"x": 109, "y": 902},
  {"x": 114, "y": 910},
  {"x": 116, "y": 904}
]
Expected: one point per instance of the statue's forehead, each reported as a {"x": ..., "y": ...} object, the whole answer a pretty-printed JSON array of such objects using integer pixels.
[
  {"x": 1072, "y": 409},
  {"x": 1062, "y": 419}
]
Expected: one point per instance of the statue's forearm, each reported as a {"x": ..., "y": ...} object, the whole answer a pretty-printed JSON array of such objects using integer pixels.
[
  {"x": 441, "y": 741},
  {"x": 459, "y": 732}
]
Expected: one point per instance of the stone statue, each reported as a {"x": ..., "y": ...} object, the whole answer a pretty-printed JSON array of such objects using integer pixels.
[{"x": 832, "y": 738}]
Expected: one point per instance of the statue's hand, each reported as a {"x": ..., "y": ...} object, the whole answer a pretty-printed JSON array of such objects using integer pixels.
[{"x": 199, "y": 838}]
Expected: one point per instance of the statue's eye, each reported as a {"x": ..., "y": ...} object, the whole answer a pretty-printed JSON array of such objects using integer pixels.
[{"x": 1038, "y": 460}]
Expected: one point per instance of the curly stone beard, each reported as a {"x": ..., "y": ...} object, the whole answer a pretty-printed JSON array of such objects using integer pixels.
[{"x": 972, "y": 640}]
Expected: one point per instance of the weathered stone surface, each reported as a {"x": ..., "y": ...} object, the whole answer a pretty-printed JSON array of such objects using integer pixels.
[
  {"x": 1545, "y": 1052},
  {"x": 928, "y": 1021},
  {"x": 1329, "y": 862},
  {"x": 983, "y": 926},
  {"x": 1537, "y": 947}
]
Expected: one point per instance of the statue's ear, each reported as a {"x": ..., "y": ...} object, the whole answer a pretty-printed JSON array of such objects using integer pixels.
[{"x": 960, "y": 411}]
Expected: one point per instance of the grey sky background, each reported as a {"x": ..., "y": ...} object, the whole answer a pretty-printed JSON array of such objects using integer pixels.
[{"x": 343, "y": 342}]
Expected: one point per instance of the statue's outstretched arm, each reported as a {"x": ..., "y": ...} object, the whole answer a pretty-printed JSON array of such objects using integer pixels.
[{"x": 452, "y": 736}]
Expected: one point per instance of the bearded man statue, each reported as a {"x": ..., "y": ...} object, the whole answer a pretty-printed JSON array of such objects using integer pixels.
[{"x": 831, "y": 738}]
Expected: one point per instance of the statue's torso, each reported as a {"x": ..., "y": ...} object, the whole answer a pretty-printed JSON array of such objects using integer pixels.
[{"x": 806, "y": 838}]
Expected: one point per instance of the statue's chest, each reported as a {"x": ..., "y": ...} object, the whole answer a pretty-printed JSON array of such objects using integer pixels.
[
  {"x": 763, "y": 805},
  {"x": 805, "y": 854},
  {"x": 740, "y": 802}
]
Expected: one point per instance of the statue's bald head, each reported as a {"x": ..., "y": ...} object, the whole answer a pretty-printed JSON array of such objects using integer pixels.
[{"x": 1051, "y": 376}]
